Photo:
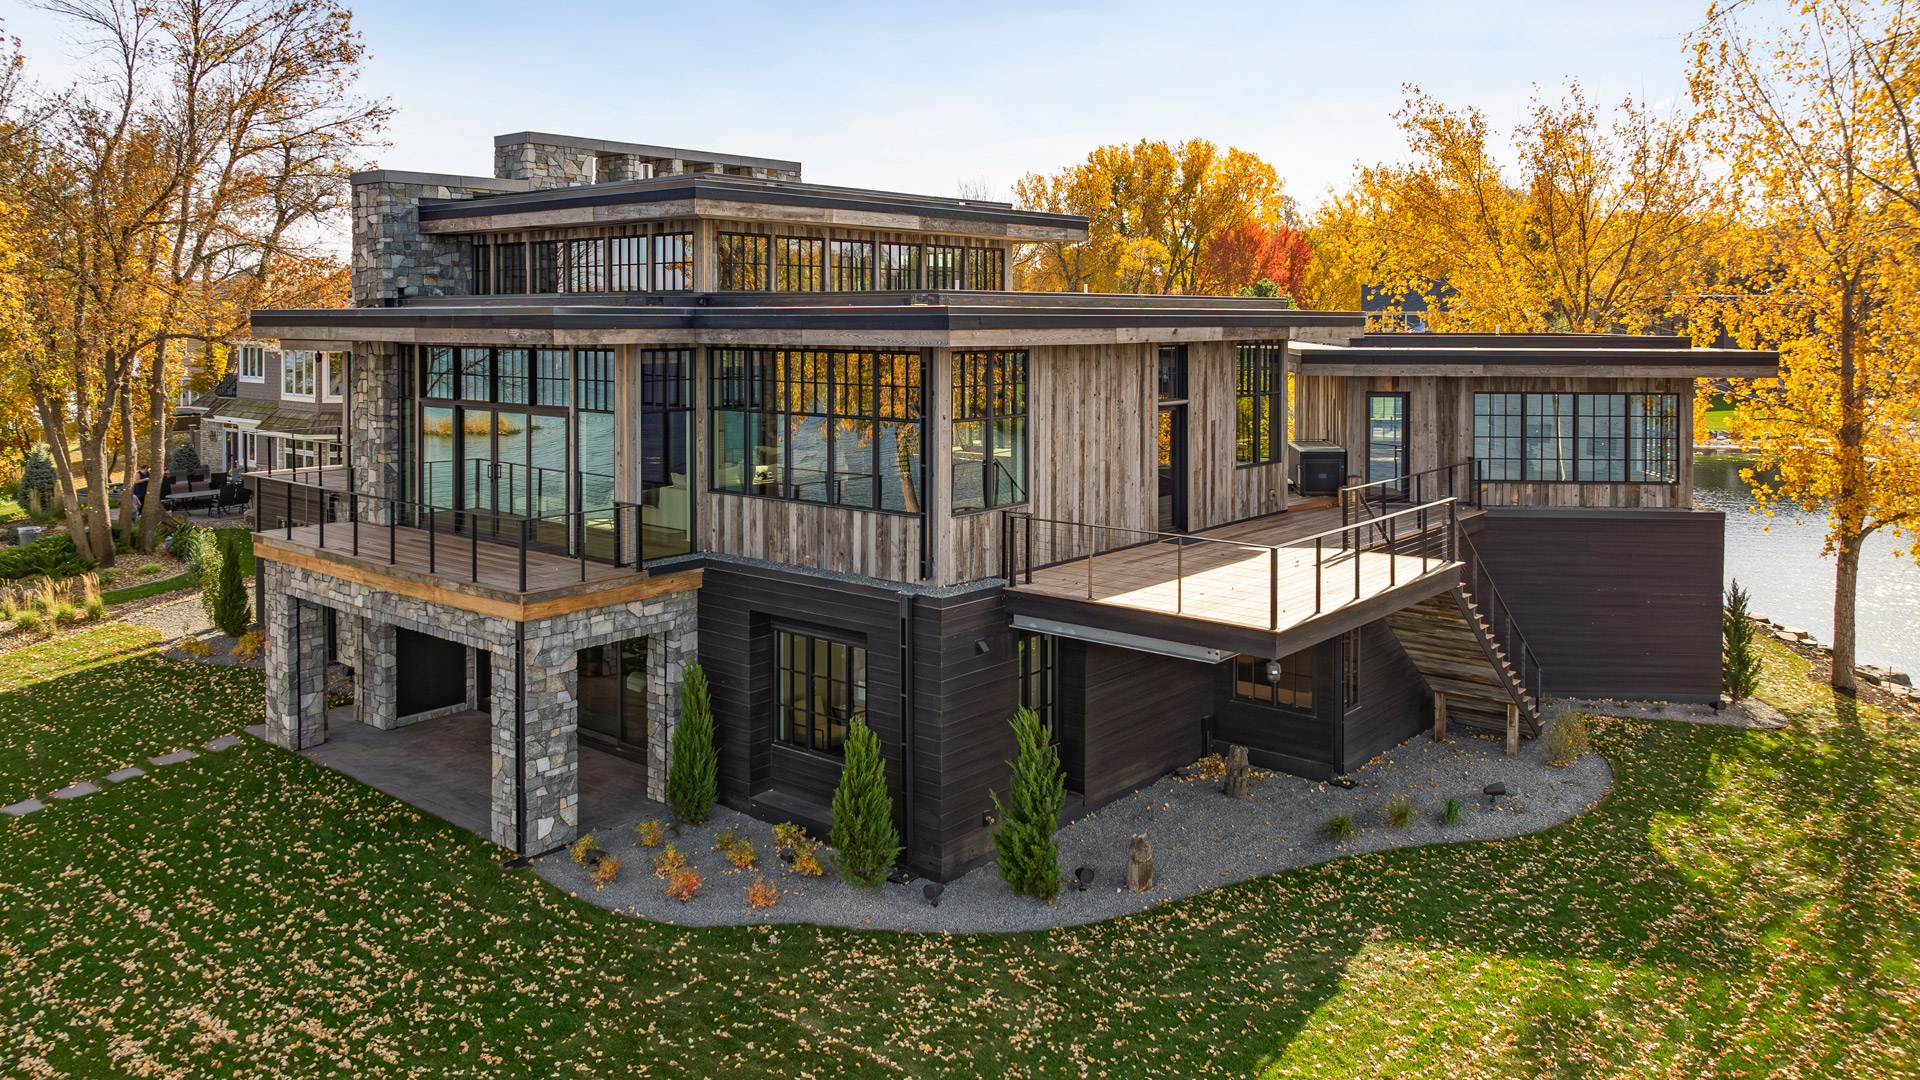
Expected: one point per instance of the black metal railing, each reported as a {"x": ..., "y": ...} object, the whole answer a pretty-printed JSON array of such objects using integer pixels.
[
  {"x": 1429, "y": 532},
  {"x": 1498, "y": 617},
  {"x": 347, "y": 520},
  {"x": 1459, "y": 481}
]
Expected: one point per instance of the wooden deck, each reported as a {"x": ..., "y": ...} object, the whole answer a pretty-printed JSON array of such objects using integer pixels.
[{"x": 1236, "y": 584}]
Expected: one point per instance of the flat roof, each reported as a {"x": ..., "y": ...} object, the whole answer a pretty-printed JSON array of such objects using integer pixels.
[
  {"x": 608, "y": 146},
  {"x": 1571, "y": 355}
]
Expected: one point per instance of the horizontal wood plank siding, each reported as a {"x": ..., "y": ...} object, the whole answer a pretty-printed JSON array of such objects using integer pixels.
[
  {"x": 1143, "y": 716},
  {"x": 964, "y": 742},
  {"x": 1394, "y": 704},
  {"x": 1616, "y": 603}
]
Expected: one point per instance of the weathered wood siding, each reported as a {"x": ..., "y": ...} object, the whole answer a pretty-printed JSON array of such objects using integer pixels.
[
  {"x": 1616, "y": 603},
  {"x": 813, "y": 535},
  {"x": 1440, "y": 418}
]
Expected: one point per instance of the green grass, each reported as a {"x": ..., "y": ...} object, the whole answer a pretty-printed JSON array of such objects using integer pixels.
[
  {"x": 1742, "y": 904},
  {"x": 179, "y": 581}
]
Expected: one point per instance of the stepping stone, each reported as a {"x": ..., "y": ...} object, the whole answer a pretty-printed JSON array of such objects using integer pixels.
[
  {"x": 174, "y": 758},
  {"x": 74, "y": 791},
  {"x": 258, "y": 731},
  {"x": 21, "y": 809},
  {"x": 223, "y": 742},
  {"x": 123, "y": 775}
]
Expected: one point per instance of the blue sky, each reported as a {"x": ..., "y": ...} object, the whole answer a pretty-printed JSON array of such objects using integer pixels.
[{"x": 920, "y": 97}]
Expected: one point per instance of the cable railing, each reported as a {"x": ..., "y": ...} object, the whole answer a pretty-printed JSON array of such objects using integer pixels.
[
  {"x": 455, "y": 539},
  {"x": 1459, "y": 480},
  {"x": 1499, "y": 619},
  {"x": 1428, "y": 532}
]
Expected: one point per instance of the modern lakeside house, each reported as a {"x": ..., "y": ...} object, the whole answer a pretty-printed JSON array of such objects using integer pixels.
[{"x": 621, "y": 407}]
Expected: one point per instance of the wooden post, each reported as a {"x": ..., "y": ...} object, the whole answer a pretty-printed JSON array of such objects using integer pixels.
[
  {"x": 1238, "y": 782},
  {"x": 1439, "y": 716},
  {"x": 1513, "y": 728}
]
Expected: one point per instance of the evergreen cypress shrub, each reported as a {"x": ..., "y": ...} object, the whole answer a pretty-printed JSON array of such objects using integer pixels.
[
  {"x": 231, "y": 611},
  {"x": 185, "y": 458},
  {"x": 1739, "y": 661},
  {"x": 864, "y": 840},
  {"x": 37, "y": 478},
  {"x": 1024, "y": 848},
  {"x": 693, "y": 776}
]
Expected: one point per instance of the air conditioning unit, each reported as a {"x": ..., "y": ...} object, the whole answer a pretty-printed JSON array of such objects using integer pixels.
[{"x": 1319, "y": 468}]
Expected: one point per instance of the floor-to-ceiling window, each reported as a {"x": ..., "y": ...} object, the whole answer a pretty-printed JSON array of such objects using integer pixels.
[
  {"x": 666, "y": 488},
  {"x": 494, "y": 431}
]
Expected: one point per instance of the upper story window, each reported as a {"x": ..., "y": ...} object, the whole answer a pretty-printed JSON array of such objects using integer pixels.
[
  {"x": 297, "y": 375},
  {"x": 482, "y": 269},
  {"x": 497, "y": 376},
  {"x": 544, "y": 260},
  {"x": 831, "y": 427},
  {"x": 899, "y": 267},
  {"x": 1260, "y": 404},
  {"x": 1577, "y": 438},
  {"x": 336, "y": 384},
  {"x": 250, "y": 361},
  {"x": 944, "y": 267},
  {"x": 741, "y": 260},
  {"x": 849, "y": 265},
  {"x": 673, "y": 262},
  {"x": 989, "y": 430},
  {"x": 800, "y": 264},
  {"x": 986, "y": 269},
  {"x": 510, "y": 268},
  {"x": 627, "y": 264},
  {"x": 583, "y": 265},
  {"x": 662, "y": 263}
]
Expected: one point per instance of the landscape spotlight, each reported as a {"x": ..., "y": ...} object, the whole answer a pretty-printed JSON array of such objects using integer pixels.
[
  {"x": 1084, "y": 876},
  {"x": 932, "y": 892},
  {"x": 1493, "y": 792}
]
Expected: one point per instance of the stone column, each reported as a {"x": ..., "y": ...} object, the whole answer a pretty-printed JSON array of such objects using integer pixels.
[
  {"x": 296, "y": 670},
  {"x": 376, "y": 678},
  {"x": 374, "y": 427},
  {"x": 550, "y": 771},
  {"x": 668, "y": 655}
]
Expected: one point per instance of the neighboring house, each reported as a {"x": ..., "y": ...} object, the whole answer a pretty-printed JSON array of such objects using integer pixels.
[
  {"x": 274, "y": 409},
  {"x": 699, "y": 409}
]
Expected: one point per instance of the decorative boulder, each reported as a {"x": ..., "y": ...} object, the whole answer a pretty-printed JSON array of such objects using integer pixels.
[
  {"x": 1237, "y": 782},
  {"x": 1139, "y": 864}
]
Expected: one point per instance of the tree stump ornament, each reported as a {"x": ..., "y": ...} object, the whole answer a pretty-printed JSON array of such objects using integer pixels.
[
  {"x": 1239, "y": 779},
  {"x": 1139, "y": 864}
]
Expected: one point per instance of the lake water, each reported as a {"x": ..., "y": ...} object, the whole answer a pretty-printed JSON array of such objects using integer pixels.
[{"x": 1777, "y": 559}]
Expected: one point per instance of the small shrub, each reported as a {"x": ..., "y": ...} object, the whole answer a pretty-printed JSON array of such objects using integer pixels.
[
  {"x": 251, "y": 644},
  {"x": 1451, "y": 815},
  {"x": 1026, "y": 853},
  {"x": 199, "y": 650},
  {"x": 789, "y": 838},
  {"x": 684, "y": 884},
  {"x": 864, "y": 841},
  {"x": 9, "y": 607},
  {"x": 741, "y": 854},
  {"x": 1566, "y": 738},
  {"x": 693, "y": 775},
  {"x": 762, "y": 894},
  {"x": 335, "y": 698},
  {"x": 649, "y": 833},
  {"x": 1340, "y": 827},
  {"x": 37, "y": 482},
  {"x": 149, "y": 569},
  {"x": 669, "y": 860},
  {"x": 807, "y": 861},
  {"x": 1739, "y": 660},
  {"x": 26, "y": 620},
  {"x": 185, "y": 458},
  {"x": 581, "y": 848},
  {"x": 723, "y": 839},
  {"x": 51, "y": 557},
  {"x": 227, "y": 605},
  {"x": 1399, "y": 812},
  {"x": 603, "y": 872},
  {"x": 107, "y": 576}
]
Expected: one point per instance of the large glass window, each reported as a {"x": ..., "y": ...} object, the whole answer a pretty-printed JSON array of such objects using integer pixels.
[
  {"x": 1590, "y": 438},
  {"x": 822, "y": 688},
  {"x": 899, "y": 267},
  {"x": 834, "y": 427},
  {"x": 944, "y": 267},
  {"x": 585, "y": 266},
  {"x": 1287, "y": 684},
  {"x": 482, "y": 269},
  {"x": 989, "y": 430},
  {"x": 510, "y": 268},
  {"x": 741, "y": 259},
  {"x": 627, "y": 264},
  {"x": 1260, "y": 402},
  {"x": 545, "y": 256},
  {"x": 800, "y": 264},
  {"x": 666, "y": 489},
  {"x": 849, "y": 265},
  {"x": 673, "y": 262},
  {"x": 611, "y": 688},
  {"x": 986, "y": 269},
  {"x": 297, "y": 372}
]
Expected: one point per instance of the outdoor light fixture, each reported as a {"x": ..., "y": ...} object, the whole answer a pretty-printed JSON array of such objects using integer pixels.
[
  {"x": 1084, "y": 876},
  {"x": 1493, "y": 792},
  {"x": 932, "y": 892},
  {"x": 1273, "y": 671}
]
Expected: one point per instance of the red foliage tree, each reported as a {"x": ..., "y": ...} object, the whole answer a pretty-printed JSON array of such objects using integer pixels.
[{"x": 1250, "y": 253}]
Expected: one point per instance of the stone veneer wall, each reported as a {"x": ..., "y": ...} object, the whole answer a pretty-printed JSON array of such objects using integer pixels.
[
  {"x": 374, "y": 431},
  {"x": 390, "y": 254},
  {"x": 545, "y": 648},
  {"x": 544, "y": 165}
]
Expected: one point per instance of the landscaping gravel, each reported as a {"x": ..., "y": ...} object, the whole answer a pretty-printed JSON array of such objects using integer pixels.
[
  {"x": 1201, "y": 840},
  {"x": 184, "y": 617}
]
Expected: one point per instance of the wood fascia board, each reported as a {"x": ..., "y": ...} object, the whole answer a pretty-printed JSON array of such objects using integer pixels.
[
  {"x": 724, "y": 210},
  {"x": 1311, "y": 365},
  {"x": 469, "y": 597},
  {"x": 824, "y": 338}
]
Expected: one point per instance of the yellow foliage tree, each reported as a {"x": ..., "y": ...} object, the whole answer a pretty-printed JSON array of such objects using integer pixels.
[
  {"x": 1597, "y": 230},
  {"x": 1151, "y": 208},
  {"x": 1810, "y": 114}
]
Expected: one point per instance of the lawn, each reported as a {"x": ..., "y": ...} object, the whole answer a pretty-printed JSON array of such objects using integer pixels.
[
  {"x": 241, "y": 537},
  {"x": 1744, "y": 904}
]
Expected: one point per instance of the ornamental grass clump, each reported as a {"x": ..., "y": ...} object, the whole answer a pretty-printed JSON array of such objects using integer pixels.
[
  {"x": 1451, "y": 815},
  {"x": 1024, "y": 847},
  {"x": 1340, "y": 827},
  {"x": 693, "y": 777},
  {"x": 1399, "y": 812},
  {"x": 1566, "y": 738},
  {"x": 864, "y": 840},
  {"x": 1739, "y": 660}
]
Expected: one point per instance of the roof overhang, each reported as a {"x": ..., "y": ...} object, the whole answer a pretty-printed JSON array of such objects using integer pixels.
[{"x": 1614, "y": 362}]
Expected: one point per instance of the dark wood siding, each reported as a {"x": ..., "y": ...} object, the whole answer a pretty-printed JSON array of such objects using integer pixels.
[
  {"x": 1395, "y": 703},
  {"x": 1143, "y": 716},
  {"x": 1294, "y": 742},
  {"x": 1616, "y": 603},
  {"x": 964, "y": 699}
]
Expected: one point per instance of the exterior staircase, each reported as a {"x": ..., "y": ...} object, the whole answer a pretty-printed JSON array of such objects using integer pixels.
[{"x": 1478, "y": 664}]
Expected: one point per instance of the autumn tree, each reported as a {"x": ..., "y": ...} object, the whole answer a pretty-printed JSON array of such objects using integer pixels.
[
  {"x": 1596, "y": 229},
  {"x": 1236, "y": 259},
  {"x": 1152, "y": 208},
  {"x": 1808, "y": 107}
]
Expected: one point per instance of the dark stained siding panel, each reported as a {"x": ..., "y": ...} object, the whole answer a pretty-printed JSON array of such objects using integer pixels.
[
  {"x": 966, "y": 698},
  {"x": 1294, "y": 742},
  {"x": 1616, "y": 603},
  {"x": 1395, "y": 703},
  {"x": 1144, "y": 717}
]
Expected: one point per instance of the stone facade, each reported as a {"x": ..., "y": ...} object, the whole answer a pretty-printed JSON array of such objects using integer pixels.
[
  {"x": 374, "y": 434},
  {"x": 543, "y": 165},
  {"x": 543, "y": 719},
  {"x": 391, "y": 256}
]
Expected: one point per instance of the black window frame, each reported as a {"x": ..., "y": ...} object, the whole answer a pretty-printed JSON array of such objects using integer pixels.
[
  {"x": 987, "y": 396},
  {"x": 815, "y": 731},
  {"x": 1259, "y": 398},
  {"x": 1296, "y": 670},
  {"x": 544, "y": 266},
  {"x": 628, "y": 269},
  {"x": 799, "y": 262},
  {"x": 946, "y": 267},
  {"x": 889, "y": 277},
  {"x": 482, "y": 269},
  {"x": 671, "y": 274},
  {"x": 850, "y": 275},
  {"x": 986, "y": 270},
  {"x": 742, "y": 262},
  {"x": 1039, "y": 663},
  {"x": 509, "y": 269},
  {"x": 1640, "y": 431}
]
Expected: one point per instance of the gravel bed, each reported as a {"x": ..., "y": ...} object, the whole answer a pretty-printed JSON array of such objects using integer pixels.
[
  {"x": 1201, "y": 840},
  {"x": 181, "y": 616}
]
